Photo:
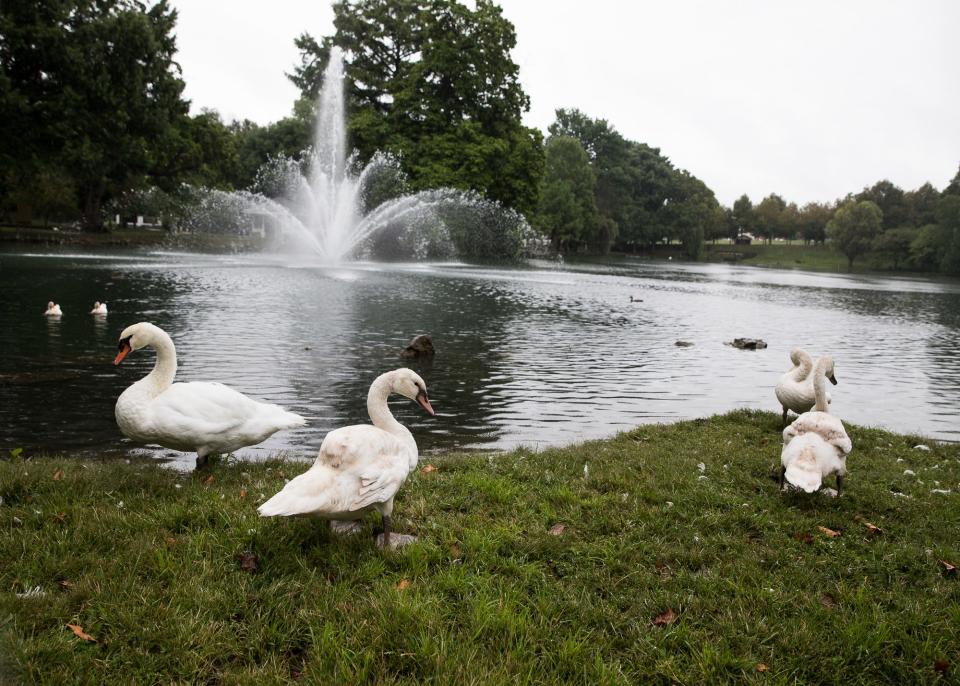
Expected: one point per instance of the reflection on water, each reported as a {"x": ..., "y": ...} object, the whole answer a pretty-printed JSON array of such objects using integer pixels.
[{"x": 535, "y": 356}]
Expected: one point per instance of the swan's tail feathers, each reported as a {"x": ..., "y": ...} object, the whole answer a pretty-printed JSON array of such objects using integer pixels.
[
  {"x": 804, "y": 472},
  {"x": 280, "y": 505},
  {"x": 292, "y": 420}
]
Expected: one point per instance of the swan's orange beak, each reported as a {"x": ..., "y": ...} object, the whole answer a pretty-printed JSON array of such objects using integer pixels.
[
  {"x": 425, "y": 404},
  {"x": 124, "y": 349}
]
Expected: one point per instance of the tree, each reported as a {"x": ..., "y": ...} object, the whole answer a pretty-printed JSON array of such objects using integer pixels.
[
  {"x": 743, "y": 215},
  {"x": 93, "y": 88},
  {"x": 854, "y": 227},
  {"x": 948, "y": 217},
  {"x": 894, "y": 244},
  {"x": 567, "y": 211},
  {"x": 769, "y": 216},
  {"x": 812, "y": 221},
  {"x": 634, "y": 181},
  {"x": 432, "y": 81},
  {"x": 891, "y": 200},
  {"x": 692, "y": 212},
  {"x": 953, "y": 188},
  {"x": 922, "y": 204}
]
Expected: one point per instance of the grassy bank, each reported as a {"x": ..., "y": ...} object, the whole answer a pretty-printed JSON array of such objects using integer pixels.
[
  {"x": 785, "y": 256},
  {"x": 130, "y": 238},
  {"x": 662, "y": 572}
]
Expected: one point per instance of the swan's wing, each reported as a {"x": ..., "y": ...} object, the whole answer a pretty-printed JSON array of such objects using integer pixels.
[
  {"x": 823, "y": 424},
  {"x": 203, "y": 407},
  {"x": 380, "y": 482}
]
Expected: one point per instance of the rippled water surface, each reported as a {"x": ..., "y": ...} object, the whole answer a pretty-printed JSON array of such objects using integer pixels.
[{"x": 536, "y": 356}]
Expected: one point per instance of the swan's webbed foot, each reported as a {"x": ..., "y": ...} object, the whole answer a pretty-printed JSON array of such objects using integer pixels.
[
  {"x": 390, "y": 540},
  {"x": 839, "y": 484},
  {"x": 784, "y": 417}
]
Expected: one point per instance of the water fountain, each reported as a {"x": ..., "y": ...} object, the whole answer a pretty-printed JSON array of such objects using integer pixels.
[{"x": 320, "y": 203}]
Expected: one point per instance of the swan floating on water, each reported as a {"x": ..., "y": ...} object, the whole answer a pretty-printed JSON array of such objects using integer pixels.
[
  {"x": 202, "y": 417},
  {"x": 361, "y": 467},
  {"x": 53, "y": 310},
  {"x": 795, "y": 388},
  {"x": 99, "y": 308},
  {"x": 815, "y": 445}
]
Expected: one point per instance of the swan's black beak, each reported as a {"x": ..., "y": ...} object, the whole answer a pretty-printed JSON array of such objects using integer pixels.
[
  {"x": 833, "y": 379},
  {"x": 425, "y": 404},
  {"x": 124, "y": 349}
]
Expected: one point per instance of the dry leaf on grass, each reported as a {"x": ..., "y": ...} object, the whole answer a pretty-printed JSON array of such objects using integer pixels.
[
  {"x": 427, "y": 469},
  {"x": 402, "y": 584},
  {"x": 668, "y": 616},
  {"x": 209, "y": 480},
  {"x": 557, "y": 529},
  {"x": 78, "y": 630},
  {"x": 455, "y": 550},
  {"x": 243, "y": 493},
  {"x": 57, "y": 475},
  {"x": 248, "y": 561},
  {"x": 948, "y": 569},
  {"x": 828, "y": 601},
  {"x": 170, "y": 541},
  {"x": 829, "y": 532},
  {"x": 873, "y": 530},
  {"x": 941, "y": 666},
  {"x": 761, "y": 667},
  {"x": 803, "y": 538},
  {"x": 65, "y": 585}
]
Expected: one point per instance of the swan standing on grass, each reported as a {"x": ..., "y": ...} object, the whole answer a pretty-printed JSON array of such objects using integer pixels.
[
  {"x": 360, "y": 467},
  {"x": 202, "y": 417},
  {"x": 816, "y": 444},
  {"x": 99, "y": 308},
  {"x": 795, "y": 388},
  {"x": 53, "y": 310}
]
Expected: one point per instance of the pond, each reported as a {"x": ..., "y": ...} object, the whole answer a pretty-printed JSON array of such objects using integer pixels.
[{"x": 540, "y": 355}]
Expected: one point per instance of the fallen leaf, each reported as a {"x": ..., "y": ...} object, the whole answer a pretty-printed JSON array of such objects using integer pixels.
[
  {"x": 57, "y": 475},
  {"x": 78, "y": 630},
  {"x": 829, "y": 532},
  {"x": 557, "y": 529},
  {"x": 668, "y": 616},
  {"x": 65, "y": 585},
  {"x": 828, "y": 601},
  {"x": 662, "y": 568},
  {"x": 243, "y": 493},
  {"x": 454, "y": 550},
  {"x": 61, "y": 517},
  {"x": 248, "y": 561},
  {"x": 761, "y": 667},
  {"x": 803, "y": 538},
  {"x": 427, "y": 469},
  {"x": 948, "y": 569},
  {"x": 873, "y": 530},
  {"x": 941, "y": 666},
  {"x": 403, "y": 583},
  {"x": 209, "y": 480},
  {"x": 170, "y": 541},
  {"x": 281, "y": 475}
]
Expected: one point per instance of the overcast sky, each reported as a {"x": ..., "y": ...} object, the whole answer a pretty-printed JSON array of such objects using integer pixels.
[{"x": 808, "y": 99}]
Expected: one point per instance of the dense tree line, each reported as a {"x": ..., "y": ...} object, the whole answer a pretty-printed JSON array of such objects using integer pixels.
[{"x": 93, "y": 122}]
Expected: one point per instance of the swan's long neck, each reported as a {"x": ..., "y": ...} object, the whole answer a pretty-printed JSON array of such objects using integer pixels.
[
  {"x": 379, "y": 411},
  {"x": 819, "y": 385},
  {"x": 165, "y": 368},
  {"x": 803, "y": 364}
]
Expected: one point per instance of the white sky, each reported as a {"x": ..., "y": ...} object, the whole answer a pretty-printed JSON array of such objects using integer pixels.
[{"x": 810, "y": 99}]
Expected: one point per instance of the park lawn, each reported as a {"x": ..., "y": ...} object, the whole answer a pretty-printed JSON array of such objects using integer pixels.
[
  {"x": 663, "y": 572},
  {"x": 787, "y": 256}
]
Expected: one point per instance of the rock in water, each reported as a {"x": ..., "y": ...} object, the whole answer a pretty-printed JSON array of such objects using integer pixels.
[
  {"x": 748, "y": 343},
  {"x": 420, "y": 346}
]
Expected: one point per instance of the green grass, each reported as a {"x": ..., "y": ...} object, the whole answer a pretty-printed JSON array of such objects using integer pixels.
[
  {"x": 786, "y": 256},
  {"x": 148, "y": 562}
]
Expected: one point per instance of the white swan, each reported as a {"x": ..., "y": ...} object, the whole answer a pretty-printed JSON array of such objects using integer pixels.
[
  {"x": 99, "y": 308},
  {"x": 202, "y": 417},
  {"x": 815, "y": 445},
  {"x": 53, "y": 310},
  {"x": 795, "y": 388},
  {"x": 361, "y": 467}
]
